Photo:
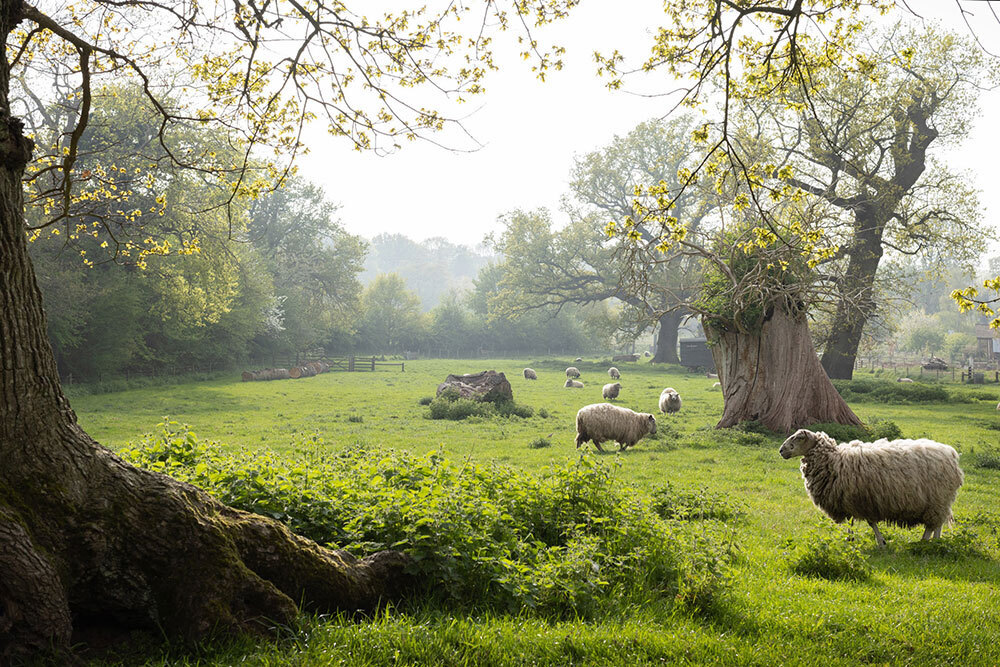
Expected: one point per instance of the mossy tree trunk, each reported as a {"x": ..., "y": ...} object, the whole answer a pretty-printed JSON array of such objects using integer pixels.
[
  {"x": 774, "y": 376},
  {"x": 87, "y": 541}
]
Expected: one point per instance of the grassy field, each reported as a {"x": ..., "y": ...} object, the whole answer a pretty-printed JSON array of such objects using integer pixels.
[{"x": 940, "y": 606}]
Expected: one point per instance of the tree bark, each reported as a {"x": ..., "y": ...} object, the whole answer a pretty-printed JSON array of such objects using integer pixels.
[
  {"x": 773, "y": 376},
  {"x": 857, "y": 295},
  {"x": 666, "y": 338},
  {"x": 87, "y": 541}
]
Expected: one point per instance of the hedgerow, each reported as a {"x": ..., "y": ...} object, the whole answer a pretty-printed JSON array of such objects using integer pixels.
[{"x": 568, "y": 541}]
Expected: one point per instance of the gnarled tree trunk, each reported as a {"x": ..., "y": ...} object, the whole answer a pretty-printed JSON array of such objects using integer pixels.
[
  {"x": 87, "y": 540},
  {"x": 666, "y": 338},
  {"x": 774, "y": 376}
]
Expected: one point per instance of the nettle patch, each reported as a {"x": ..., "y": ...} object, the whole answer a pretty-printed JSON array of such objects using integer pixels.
[{"x": 568, "y": 541}]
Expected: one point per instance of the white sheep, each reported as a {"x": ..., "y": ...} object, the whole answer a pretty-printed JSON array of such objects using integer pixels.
[
  {"x": 614, "y": 373},
  {"x": 578, "y": 360},
  {"x": 610, "y": 391},
  {"x": 716, "y": 387},
  {"x": 670, "y": 401},
  {"x": 603, "y": 422},
  {"x": 573, "y": 384},
  {"x": 647, "y": 354},
  {"x": 530, "y": 374},
  {"x": 903, "y": 482},
  {"x": 904, "y": 380},
  {"x": 572, "y": 372}
]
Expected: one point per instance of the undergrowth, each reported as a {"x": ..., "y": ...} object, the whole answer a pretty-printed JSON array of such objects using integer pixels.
[
  {"x": 568, "y": 541},
  {"x": 828, "y": 556}
]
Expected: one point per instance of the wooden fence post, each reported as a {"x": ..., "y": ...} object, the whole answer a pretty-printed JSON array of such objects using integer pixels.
[{"x": 373, "y": 363}]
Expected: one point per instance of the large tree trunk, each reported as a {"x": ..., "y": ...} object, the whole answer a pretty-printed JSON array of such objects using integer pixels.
[
  {"x": 857, "y": 293},
  {"x": 773, "y": 376},
  {"x": 666, "y": 338},
  {"x": 88, "y": 542}
]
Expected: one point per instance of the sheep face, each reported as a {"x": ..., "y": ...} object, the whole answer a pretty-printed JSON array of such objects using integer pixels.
[
  {"x": 797, "y": 444},
  {"x": 652, "y": 425}
]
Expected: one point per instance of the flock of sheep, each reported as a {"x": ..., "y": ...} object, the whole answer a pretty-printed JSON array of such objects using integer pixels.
[{"x": 901, "y": 482}]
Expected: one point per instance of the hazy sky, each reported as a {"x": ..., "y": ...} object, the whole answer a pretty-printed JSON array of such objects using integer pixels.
[{"x": 531, "y": 131}]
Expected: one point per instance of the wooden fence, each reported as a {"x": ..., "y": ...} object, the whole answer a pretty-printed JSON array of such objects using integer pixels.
[{"x": 353, "y": 364}]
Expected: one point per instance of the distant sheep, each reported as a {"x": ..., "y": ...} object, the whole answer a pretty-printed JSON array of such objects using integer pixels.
[
  {"x": 998, "y": 406},
  {"x": 646, "y": 354},
  {"x": 903, "y": 482},
  {"x": 717, "y": 386},
  {"x": 670, "y": 401},
  {"x": 614, "y": 373},
  {"x": 572, "y": 372},
  {"x": 903, "y": 380},
  {"x": 610, "y": 391},
  {"x": 578, "y": 360},
  {"x": 573, "y": 384},
  {"x": 603, "y": 422},
  {"x": 712, "y": 376},
  {"x": 530, "y": 374}
]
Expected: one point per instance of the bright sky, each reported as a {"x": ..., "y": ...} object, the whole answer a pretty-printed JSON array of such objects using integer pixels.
[{"x": 531, "y": 132}]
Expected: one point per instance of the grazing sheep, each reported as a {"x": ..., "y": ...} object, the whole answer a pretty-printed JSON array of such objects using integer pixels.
[
  {"x": 614, "y": 373},
  {"x": 573, "y": 384},
  {"x": 903, "y": 482},
  {"x": 670, "y": 401},
  {"x": 572, "y": 372},
  {"x": 903, "y": 380},
  {"x": 610, "y": 391},
  {"x": 578, "y": 360},
  {"x": 530, "y": 374},
  {"x": 717, "y": 386},
  {"x": 712, "y": 376},
  {"x": 602, "y": 421},
  {"x": 998, "y": 406},
  {"x": 646, "y": 354}
]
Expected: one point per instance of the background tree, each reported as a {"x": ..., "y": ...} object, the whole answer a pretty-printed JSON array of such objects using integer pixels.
[
  {"x": 391, "y": 316},
  {"x": 864, "y": 142}
]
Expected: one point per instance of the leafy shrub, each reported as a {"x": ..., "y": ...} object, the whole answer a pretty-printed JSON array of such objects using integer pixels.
[
  {"x": 460, "y": 408},
  {"x": 754, "y": 426},
  {"x": 510, "y": 408},
  {"x": 687, "y": 505},
  {"x": 884, "y": 428},
  {"x": 883, "y": 391},
  {"x": 426, "y": 400},
  {"x": 540, "y": 443},
  {"x": 566, "y": 542},
  {"x": 356, "y": 419},
  {"x": 543, "y": 413},
  {"x": 829, "y": 556},
  {"x": 962, "y": 543}
]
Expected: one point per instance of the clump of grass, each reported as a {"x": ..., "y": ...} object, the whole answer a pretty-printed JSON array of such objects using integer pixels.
[
  {"x": 356, "y": 419},
  {"x": 875, "y": 429},
  {"x": 567, "y": 542},
  {"x": 988, "y": 460},
  {"x": 884, "y": 428},
  {"x": 884, "y": 391},
  {"x": 425, "y": 400},
  {"x": 543, "y": 413},
  {"x": 961, "y": 543},
  {"x": 540, "y": 443},
  {"x": 449, "y": 405},
  {"x": 827, "y": 556}
]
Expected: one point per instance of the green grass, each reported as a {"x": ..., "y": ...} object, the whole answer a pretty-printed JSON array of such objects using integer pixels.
[{"x": 919, "y": 606}]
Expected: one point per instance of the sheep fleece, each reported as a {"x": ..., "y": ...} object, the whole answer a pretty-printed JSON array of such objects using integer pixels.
[
  {"x": 602, "y": 422},
  {"x": 670, "y": 401},
  {"x": 903, "y": 482}
]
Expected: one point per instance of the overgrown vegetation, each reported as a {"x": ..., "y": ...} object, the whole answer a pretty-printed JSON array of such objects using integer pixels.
[
  {"x": 566, "y": 542},
  {"x": 449, "y": 405},
  {"x": 828, "y": 556},
  {"x": 885, "y": 391},
  {"x": 876, "y": 429}
]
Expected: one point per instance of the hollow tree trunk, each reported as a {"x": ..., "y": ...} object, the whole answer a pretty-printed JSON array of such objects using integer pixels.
[
  {"x": 773, "y": 376},
  {"x": 87, "y": 541},
  {"x": 857, "y": 295},
  {"x": 666, "y": 338}
]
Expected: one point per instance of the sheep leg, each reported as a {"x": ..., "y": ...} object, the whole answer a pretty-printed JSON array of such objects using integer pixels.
[
  {"x": 937, "y": 533},
  {"x": 598, "y": 445},
  {"x": 928, "y": 531},
  {"x": 878, "y": 535}
]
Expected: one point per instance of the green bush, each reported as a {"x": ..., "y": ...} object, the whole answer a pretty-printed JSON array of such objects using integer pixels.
[
  {"x": 828, "y": 556},
  {"x": 962, "y": 543},
  {"x": 884, "y": 391},
  {"x": 567, "y": 542},
  {"x": 426, "y": 400},
  {"x": 687, "y": 505},
  {"x": 989, "y": 460},
  {"x": 457, "y": 409},
  {"x": 540, "y": 443},
  {"x": 884, "y": 428},
  {"x": 543, "y": 413},
  {"x": 875, "y": 429},
  {"x": 356, "y": 419}
]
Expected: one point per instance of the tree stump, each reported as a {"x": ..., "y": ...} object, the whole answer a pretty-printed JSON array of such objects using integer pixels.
[{"x": 485, "y": 386}]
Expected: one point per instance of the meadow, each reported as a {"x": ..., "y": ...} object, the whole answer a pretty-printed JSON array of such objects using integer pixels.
[{"x": 782, "y": 602}]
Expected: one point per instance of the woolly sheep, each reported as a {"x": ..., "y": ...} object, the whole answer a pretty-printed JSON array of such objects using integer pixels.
[
  {"x": 530, "y": 374},
  {"x": 903, "y": 482},
  {"x": 717, "y": 386},
  {"x": 572, "y": 372},
  {"x": 578, "y": 360},
  {"x": 573, "y": 384},
  {"x": 647, "y": 354},
  {"x": 602, "y": 422},
  {"x": 670, "y": 401},
  {"x": 903, "y": 380},
  {"x": 614, "y": 373},
  {"x": 610, "y": 391},
  {"x": 712, "y": 376}
]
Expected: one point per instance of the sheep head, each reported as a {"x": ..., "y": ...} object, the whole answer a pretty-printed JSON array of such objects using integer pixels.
[
  {"x": 652, "y": 424},
  {"x": 798, "y": 443}
]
